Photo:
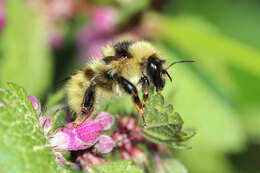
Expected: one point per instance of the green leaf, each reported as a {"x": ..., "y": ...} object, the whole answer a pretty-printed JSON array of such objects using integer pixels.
[
  {"x": 22, "y": 142},
  {"x": 172, "y": 165},
  {"x": 125, "y": 166},
  {"x": 25, "y": 57},
  {"x": 203, "y": 109},
  {"x": 163, "y": 125}
]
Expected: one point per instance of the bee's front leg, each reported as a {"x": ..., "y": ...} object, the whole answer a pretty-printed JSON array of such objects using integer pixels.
[
  {"x": 131, "y": 89},
  {"x": 145, "y": 88},
  {"x": 87, "y": 105}
]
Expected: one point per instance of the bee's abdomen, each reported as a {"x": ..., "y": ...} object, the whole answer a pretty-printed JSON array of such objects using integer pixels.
[
  {"x": 76, "y": 88},
  {"x": 81, "y": 81}
]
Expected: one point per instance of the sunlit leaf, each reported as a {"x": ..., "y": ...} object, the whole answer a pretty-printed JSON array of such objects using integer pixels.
[
  {"x": 22, "y": 142},
  {"x": 163, "y": 125}
]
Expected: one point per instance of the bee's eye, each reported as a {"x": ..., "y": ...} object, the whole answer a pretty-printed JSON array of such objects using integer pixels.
[{"x": 154, "y": 70}]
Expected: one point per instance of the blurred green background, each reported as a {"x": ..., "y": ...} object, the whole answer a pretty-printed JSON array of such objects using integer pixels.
[{"x": 42, "y": 42}]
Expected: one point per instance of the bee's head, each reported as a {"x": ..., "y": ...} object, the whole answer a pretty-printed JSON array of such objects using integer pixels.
[{"x": 157, "y": 72}]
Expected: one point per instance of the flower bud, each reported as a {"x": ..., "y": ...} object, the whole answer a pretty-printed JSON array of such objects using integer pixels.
[
  {"x": 131, "y": 124},
  {"x": 127, "y": 144},
  {"x": 45, "y": 122},
  {"x": 93, "y": 159},
  {"x": 138, "y": 155},
  {"x": 60, "y": 159},
  {"x": 125, "y": 155},
  {"x": 105, "y": 144},
  {"x": 88, "y": 159},
  {"x": 105, "y": 119},
  {"x": 36, "y": 104},
  {"x": 83, "y": 136}
]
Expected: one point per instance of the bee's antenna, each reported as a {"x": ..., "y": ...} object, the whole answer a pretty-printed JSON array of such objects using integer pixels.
[
  {"x": 169, "y": 76},
  {"x": 181, "y": 61}
]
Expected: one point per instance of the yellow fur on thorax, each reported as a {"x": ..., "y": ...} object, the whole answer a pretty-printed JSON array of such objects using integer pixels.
[
  {"x": 141, "y": 51},
  {"x": 98, "y": 66}
]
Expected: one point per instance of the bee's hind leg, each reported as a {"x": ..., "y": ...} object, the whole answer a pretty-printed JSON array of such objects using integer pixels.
[
  {"x": 131, "y": 89},
  {"x": 87, "y": 105}
]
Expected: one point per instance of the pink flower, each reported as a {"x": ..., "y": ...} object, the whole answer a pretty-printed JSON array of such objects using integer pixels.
[
  {"x": 83, "y": 136},
  {"x": 36, "y": 104}
]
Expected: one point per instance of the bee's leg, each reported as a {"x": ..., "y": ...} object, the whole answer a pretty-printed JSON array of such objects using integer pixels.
[
  {"x": 131, "y": 89},
  {"x": 145, "y": 88},
  {"x": 87, "y": 105}
]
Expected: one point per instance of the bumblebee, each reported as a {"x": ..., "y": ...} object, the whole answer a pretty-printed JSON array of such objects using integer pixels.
[{"x": 127, "y": 67}]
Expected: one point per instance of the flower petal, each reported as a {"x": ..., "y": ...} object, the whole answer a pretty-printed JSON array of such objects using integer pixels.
[
  {"x": 105, "y": 144},
  {"x": 36, "y": 104},
  {"x": 45, "y": 122},
  {"x": 105, "y": 119}
]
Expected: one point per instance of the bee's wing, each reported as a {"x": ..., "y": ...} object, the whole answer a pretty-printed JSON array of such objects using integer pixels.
[{"x": 91, "y": 59}]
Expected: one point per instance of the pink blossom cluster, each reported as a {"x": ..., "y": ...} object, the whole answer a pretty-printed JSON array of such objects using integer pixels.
[
  {"x": 87, "y": 141},
  {"x": 84, "y": 136},
  {"x": 126, "y": 137}
]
